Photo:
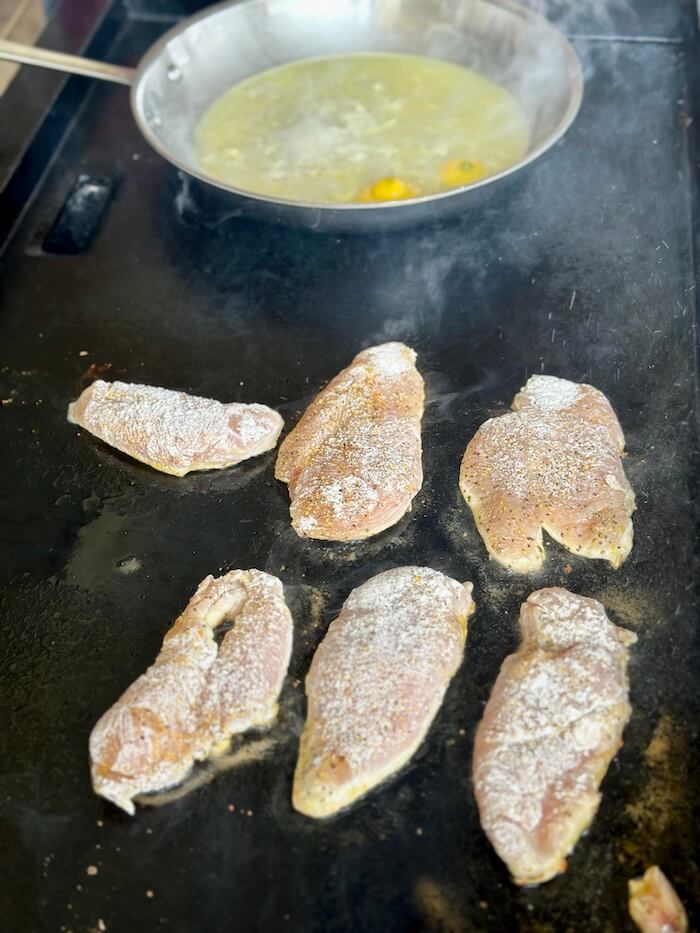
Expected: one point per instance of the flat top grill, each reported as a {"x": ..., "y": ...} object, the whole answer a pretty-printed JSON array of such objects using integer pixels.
[{"x": 583, "y": 269}]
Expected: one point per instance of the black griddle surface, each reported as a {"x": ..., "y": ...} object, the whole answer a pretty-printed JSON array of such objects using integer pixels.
[{"x": 583, "y": 270}]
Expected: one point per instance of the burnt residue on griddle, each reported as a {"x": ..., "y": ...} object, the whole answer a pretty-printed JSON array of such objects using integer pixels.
[
  {"x": 104, "y": 371},
  {"x": 662, "y": 802}
]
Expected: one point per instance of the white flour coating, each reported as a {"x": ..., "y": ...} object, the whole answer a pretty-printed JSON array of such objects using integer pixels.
[
  {"x": 552, "y": 724},
  {"x": 245, "y": 422},
  {"x": 353, "y": 463},
  {"x": 552, "y": 463},
  {"x": 390, "y": 359},
  {"x": 550, "y": 393},
  {"x": 173, "y": 431},
  {"x": 401, "y": 628},
  {"x": 343, "y": 495},
  {"x": 196, "y": 694},
  {"x": 306, "y": 524},
  {"x": 378, "y": 678}
]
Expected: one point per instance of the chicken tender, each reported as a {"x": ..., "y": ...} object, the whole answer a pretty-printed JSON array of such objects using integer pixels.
[
  {"x": 353, "y": 463},
  {"x": 376, "y": 683},
  {"x": 549, "y": 731},
  {"x": 197, "y": 694},
  {"x": 174, "y": 432},
  {"x": 553, "y": 464}
]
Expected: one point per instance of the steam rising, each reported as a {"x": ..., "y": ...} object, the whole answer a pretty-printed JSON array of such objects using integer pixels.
[{"x": 568, "y": 15}]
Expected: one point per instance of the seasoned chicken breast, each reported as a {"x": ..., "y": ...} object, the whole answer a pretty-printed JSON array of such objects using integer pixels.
[
  {"x": 172, "y": 431},
  {"x": 654, "y": 905},
  {"x": 353, "y": 463},
  {"x": 197, "y": 694},
  {"x": 553, "y": 464},
  {"x": 376, "y": 682},
  {"x": 549, "y": 731}
]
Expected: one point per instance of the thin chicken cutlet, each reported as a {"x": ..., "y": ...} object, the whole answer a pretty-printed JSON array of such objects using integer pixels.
[
  {"x": 174, "y": 432},
  {"x": 376, "y": 683},
  {"x": 353, "y": 463},
  {"x": 549, "y": 731},
  {"x": 553, "y": 464},
  {"x": 197, "y": 694}
]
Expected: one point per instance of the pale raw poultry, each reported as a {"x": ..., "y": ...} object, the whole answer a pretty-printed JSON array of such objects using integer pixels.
[
  {"x": 174, "y": 432},
  {"x": 552, "y": 725},
  {"x": 353, "y": 463},
  {"x": 197, "y": 694},
  {"x": 553, "y": 464},
  {"x": 376, "y": 683},
  {"x": 654, "y": 905}
]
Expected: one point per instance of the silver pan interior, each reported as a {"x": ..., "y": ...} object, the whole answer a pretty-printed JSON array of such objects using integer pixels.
[{"x": 202, "y": 57}]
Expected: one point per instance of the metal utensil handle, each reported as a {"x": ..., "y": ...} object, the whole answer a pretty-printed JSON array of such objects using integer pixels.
[{"x": 59, "y": 61}]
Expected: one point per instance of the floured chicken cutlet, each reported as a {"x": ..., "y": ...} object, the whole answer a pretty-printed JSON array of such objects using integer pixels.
[
  {"x": 553, "y": 464},
  {"x": 353, "y": 463},
  {"x": 174, "y": 432},
  {"x": 376, "y": 683},
  {"x": 654, "y": 905},
  {"x": 197, "y": 694},
  {"x": 549, "y": 731}
]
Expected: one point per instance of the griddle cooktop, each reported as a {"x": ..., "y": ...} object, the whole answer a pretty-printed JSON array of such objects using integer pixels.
[{"x": 111, "y": 266}]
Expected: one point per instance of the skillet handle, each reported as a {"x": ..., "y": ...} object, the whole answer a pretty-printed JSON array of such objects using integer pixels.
[{"x": 59, "y": 61}]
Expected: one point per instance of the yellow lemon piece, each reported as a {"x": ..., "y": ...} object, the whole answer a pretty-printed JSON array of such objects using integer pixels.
[
  {"x": 388, "y": 189},
  {"x": 462, "y": 172}
]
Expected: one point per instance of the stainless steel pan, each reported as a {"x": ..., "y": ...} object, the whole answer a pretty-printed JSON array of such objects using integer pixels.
[{"x": 203, "y": 56}]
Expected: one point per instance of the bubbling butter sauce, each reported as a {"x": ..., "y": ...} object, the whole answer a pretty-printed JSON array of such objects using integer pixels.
[{"x": 364, "y": 127}]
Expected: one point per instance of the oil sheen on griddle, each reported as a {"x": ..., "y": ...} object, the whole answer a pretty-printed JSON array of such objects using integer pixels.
[{"x": 362, "y": 127}]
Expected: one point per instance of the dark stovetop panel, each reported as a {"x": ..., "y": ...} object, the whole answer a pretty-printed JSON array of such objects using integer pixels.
[
  {"x": 582, "y": 270},
  {"x": 660, "y": 19}
]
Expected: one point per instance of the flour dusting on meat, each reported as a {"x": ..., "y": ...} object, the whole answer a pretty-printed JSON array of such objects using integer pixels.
[
  {"x": 353, "y": 463},
  {"x": 376, "y": 682},
  {"x": 172, "y": 431},
  {"x": 552, "y": 724}
]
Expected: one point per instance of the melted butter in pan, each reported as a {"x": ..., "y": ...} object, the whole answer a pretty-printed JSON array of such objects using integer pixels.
[{"x": 361, "y": 127}]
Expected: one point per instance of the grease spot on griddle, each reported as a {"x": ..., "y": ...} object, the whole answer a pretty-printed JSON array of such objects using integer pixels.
[
  {"x": 238, "y": 756},
  {"x": 101, "y": 544},
  {"x": 633, "y": 607},
  {"x": 316, "y": 611},
  {"x": 440, "y": 914},
  {"x": 128, "y": 565},
  {"x": 662, "y": 802}
]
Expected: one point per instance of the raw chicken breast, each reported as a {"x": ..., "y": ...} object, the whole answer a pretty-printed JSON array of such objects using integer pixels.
[
  {"x": 376, "y": 682},
  {"x": 172, "y": 431},
  {"x": 353, "y": 463},
  {"x": 549, "y": 731},
  {"x": 654, "y": 905},
  {"x": 197, "y": 694},
  {"x": 554, "y": 463}
]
